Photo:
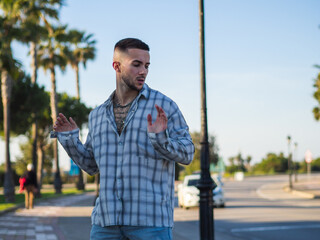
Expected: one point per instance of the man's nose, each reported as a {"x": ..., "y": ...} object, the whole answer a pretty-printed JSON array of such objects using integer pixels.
[{"x": 143, "y": 71}]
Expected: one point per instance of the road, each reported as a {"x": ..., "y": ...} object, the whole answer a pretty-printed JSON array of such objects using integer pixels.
[{"x": 256, "y": 209}]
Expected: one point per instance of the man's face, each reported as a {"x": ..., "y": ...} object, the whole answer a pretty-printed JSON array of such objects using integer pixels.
[{"x": 134, "y": 66}]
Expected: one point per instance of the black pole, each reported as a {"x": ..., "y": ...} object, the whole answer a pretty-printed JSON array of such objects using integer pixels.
[
  {"x": 289, "y": 163},
  {"x": 294, "y": 160},
  {"x": 206, "y": 184}
]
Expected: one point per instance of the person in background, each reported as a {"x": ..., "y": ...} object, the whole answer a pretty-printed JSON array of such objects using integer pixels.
[{"x": 30, "y": 186}]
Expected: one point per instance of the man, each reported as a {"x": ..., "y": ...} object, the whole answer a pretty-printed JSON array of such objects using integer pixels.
[{"x": 134, "y": 155}]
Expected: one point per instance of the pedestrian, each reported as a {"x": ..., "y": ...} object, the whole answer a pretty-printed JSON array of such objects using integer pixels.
[
  {"x": 135, "y": 138},
  {"x": 30, "y": 186}
]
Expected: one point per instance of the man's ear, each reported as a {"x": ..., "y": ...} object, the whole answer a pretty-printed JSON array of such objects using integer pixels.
[{"x": 116, "y": 66}]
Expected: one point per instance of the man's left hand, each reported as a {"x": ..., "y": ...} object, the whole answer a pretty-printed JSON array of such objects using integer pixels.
[{"x": 161, "y": 122}]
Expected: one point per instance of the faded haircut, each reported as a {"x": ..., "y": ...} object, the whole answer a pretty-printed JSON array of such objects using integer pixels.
[{"x": 128, "y": 43}]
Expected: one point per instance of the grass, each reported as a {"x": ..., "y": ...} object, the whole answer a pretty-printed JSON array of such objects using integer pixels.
[{"x": 45, "y": 194}]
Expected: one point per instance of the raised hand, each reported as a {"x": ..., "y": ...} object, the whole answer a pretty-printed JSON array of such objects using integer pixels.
[
  {"x": 161, "y": 122},
  {"x": 63, "y": 125}
]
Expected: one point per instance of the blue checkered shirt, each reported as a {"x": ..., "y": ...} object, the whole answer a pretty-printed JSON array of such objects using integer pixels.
[{"x": 137, "y": 168}]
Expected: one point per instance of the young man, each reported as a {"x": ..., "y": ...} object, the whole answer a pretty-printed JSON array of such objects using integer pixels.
[{"x": 134, "y": 140}]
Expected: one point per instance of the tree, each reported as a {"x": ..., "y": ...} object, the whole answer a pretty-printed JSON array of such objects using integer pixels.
[
  {"x": 44, "y": 147},
  {"x": 51, "y": 55},
  {"x": 25, "y": 159},
  {"x": 71, "y": 107},
  {"x": 236, "y": 163},
  {"x": 239, "y": 163},
  {"x": 33, "y": 11},
  {"x": 273, "y": 163},
  {"x": 8, "y": 68},
  {"x": 26, "y": 98},
  {"x": 248, "y": 163},
  {"x": 80, "y": 49},
  {"x": 316, "y": 95},
  {"x": 213, "y": 153}
]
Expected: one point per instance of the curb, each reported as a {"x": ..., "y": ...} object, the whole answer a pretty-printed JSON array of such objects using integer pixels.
[
  {"x": 283, "y": 187},
  {"x": 299, "y": 193},
  {"x": 14, "y": 208}
]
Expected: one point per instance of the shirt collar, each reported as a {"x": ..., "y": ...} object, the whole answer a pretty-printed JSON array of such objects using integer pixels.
[{"x": 145, "y": 92}]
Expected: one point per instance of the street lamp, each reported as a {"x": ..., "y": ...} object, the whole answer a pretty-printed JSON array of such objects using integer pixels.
[
  {"x": 295, "y": 162},
  {"x": 289, "y": 162},
  {"x": 205, "y": 184}
]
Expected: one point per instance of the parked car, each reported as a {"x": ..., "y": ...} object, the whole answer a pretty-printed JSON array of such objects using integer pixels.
[{"x": 188, "y": 193}]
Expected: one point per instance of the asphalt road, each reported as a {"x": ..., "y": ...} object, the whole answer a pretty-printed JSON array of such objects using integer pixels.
[
  {"x": 256, "y": 209},
  {"x": 250, "y": 216}
]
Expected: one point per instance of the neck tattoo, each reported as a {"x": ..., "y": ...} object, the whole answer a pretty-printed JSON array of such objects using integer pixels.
[{"x": 120, "y": 113}]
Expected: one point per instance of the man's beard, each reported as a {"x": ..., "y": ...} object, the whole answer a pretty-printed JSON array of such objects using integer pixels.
[{"x": 129, "y": 84}]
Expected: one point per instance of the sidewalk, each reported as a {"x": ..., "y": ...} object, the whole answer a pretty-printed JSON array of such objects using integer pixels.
[
  {"x": 304, "y": 189},
  {"x": 308, "y": 188}
]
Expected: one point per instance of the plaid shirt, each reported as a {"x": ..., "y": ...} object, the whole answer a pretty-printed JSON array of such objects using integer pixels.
[{"x": 137, "y": 168}]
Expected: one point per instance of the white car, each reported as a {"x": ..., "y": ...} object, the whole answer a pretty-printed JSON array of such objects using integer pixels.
[{"x": 188, "y": 193}]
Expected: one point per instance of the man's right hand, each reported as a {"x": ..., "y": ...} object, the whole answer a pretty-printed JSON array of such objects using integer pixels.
[{"x": 63, "y": 125}]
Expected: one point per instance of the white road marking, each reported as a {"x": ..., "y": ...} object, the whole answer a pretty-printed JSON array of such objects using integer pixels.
[{"x": 274, "y": 228}]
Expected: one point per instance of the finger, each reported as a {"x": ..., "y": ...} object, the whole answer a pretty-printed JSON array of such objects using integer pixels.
[
  {"x": 72, "y": 122},
  {"x": 158, "y": 110},
  {"x": 149, "y": 118},
  {"x": 161, "y": 112},
  {"x": 56, "y": 124},
  {"x": 59, "y": 120},
  {"x": 63, "y": 118}
]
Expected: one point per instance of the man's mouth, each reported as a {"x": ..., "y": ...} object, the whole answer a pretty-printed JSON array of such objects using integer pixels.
[{"x": 140, "y": 80}]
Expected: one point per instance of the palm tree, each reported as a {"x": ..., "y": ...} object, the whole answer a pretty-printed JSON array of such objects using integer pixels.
[
  {"x": 80, "y": 50},
  {"x": 50, "y": 55},
  {"x": 8, "y": 68},
  {"x": 33, "y": 12}
]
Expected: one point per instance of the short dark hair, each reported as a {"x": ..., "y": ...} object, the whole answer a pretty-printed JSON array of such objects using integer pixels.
[{"x": 128, "y": 43}]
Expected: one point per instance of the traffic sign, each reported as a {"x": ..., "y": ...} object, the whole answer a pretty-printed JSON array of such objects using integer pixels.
[{"x": 308, "y": 156}]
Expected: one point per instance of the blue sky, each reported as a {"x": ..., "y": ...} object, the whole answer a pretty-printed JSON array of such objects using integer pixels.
[{"x": 259, "y": 63}]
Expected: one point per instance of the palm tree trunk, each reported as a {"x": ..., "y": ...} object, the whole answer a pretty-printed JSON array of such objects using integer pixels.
[
  {"x": 34, "y": 142},
  {"x": 34, "y": 62},
  {"x": 76, "y": 69},
  {"x": 80, "y": 184},
  {"x": 34, "y": 66},
  {"x": 6, "y": 89},
  {"x": 40, "y": 154},
  {"x": 54, "y": 114}
]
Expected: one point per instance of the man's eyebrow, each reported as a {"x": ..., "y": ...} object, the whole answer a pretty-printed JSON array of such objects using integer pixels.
[{"x": 138, "y": 61}]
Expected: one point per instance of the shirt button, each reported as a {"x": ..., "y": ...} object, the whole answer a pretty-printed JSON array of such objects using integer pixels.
[{"x": 120, "y": 143}]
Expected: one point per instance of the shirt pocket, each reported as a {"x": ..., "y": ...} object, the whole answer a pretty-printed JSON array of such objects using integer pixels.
[{"x": 144, "y": 146}]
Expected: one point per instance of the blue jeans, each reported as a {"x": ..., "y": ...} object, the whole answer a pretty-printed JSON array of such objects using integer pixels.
[{"x": 130, "y": 232}]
